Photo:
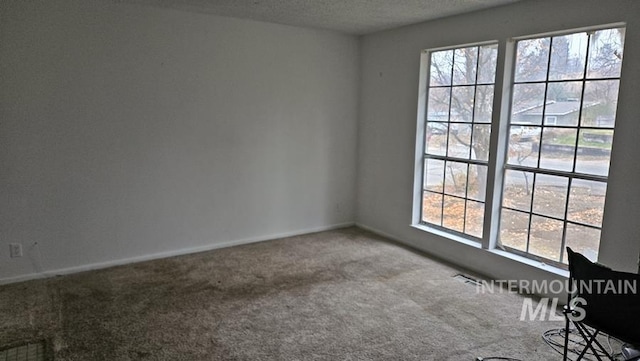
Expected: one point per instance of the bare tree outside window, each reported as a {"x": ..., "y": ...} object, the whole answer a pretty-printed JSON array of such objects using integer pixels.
[{"x": 459, "y": 111}]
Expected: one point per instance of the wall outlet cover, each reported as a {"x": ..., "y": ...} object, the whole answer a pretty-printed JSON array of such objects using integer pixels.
[{"x": 15, "y": 250}]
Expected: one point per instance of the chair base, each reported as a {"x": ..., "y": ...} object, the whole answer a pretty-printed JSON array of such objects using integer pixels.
[{"x": 630, "y": 352}]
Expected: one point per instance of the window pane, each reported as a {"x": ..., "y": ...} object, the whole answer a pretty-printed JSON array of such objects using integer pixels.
[
  {"x": 483, "y": 109},
  {"x": 474, "y": 218},
  {"x": 432, "y": 208},
  {"x": 464, "y": 65},
  {"x": 605, "y": 53},
  {"x": 600, "y": 102},
  {"x": 514, "y": 228},
  {"x": 480, "y": 144},
  {"x": 433, "y": 175},
  {"x": 440, "y": 69},
  {"x": 550, "y": 195},
  {"x": 558, "y": 148},
  {"x": 487, "y": 64},
  {"x": 462, "y": 103},
  {"x": 453, "y": 213},
  {"x": 563, "y": 103},
  {"x": 477, "y": 182},
  {"x": 518, "y": 190},
  {"x": 438, "y": 105},
  {"x": 568, "y": 55},
  {"x": 586, "y": 202},
  {"x": 456, "y": 179},
  {"x": 523, "y": 145},
  {"x": 546, "y": 237},
  {"x": 527, "y": 104},
  {"x": 459, "y": 140},
  {"x": 594, "y": 151},
  {"x": 584, "y": 240},
  {"x": 531, "y": 59},
  {"x": 436, "y": 138}
]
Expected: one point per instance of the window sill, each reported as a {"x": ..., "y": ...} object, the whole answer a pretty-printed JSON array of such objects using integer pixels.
[
  {"x": 476, "y": 244},
  {"x": 531, "y": 262}
]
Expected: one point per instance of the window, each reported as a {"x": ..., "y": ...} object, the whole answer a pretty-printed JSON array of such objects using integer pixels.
[
  {"x": 552, "y": 175},
  {"x": 457, "y": 131},
  {"x": 550, "y": 120},
  {"x": 555, "y": 182}
]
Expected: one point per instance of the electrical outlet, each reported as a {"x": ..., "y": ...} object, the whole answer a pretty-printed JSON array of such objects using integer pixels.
[{"x": 15, "y": 250}]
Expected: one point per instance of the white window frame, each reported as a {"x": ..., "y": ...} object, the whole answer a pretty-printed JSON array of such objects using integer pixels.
[
  {"x": 472, "y": 123},
  {"x": 503, "y": 91}
]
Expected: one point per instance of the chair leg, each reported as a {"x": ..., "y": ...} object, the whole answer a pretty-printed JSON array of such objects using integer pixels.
[
  {"x": 591, "y": 339},
  {"x": 566, "y": 335},
  {"x": 586, "y": 335},
  {"x": 604, "y": 351}
]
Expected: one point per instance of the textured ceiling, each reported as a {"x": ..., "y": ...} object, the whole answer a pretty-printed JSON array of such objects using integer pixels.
[{"x": 348, "y": 16}]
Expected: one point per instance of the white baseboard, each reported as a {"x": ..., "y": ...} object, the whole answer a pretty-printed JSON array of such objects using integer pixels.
[
  {"x": 178, "y": 252},
  {"x": 381, "y": 233}
]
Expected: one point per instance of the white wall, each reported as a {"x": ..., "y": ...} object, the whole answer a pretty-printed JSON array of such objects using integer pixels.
[
  {"x": 129, "y": 132},
  {"x": 388, "y": 115}
]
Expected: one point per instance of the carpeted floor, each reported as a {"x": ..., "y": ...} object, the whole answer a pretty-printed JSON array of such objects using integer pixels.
[{"x": 337, "y": 295}]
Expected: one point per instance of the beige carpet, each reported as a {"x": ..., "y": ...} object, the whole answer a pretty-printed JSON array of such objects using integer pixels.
[{"x": 338, "y": 295}]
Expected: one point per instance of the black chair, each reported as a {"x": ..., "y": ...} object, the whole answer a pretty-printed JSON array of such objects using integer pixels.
[{"x": 601, "y": 301}]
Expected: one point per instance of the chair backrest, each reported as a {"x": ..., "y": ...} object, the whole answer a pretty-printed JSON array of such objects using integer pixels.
[{"x": 612, "y": 297}]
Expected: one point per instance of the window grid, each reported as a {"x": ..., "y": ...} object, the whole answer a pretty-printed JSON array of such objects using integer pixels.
[
  {"x": 569, "y": 175},
  {"x": 447, "y": 157},
  {"x": 589, "y": 79}
]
